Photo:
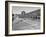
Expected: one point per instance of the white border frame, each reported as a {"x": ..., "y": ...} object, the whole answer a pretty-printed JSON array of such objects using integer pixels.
[{"x": 23, "y": 31}]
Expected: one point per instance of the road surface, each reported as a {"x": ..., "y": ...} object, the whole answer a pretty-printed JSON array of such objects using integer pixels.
[{"x": 26, "y": 24}]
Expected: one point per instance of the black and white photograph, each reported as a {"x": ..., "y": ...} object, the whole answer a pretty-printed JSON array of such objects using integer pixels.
[{"x": 24, "y": 18}]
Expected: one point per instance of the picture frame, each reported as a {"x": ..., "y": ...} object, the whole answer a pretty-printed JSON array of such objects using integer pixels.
[{"x": 14, "y": 8}]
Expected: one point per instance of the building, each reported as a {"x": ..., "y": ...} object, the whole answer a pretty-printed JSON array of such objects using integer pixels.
[{"x": 33, "y": 14}]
